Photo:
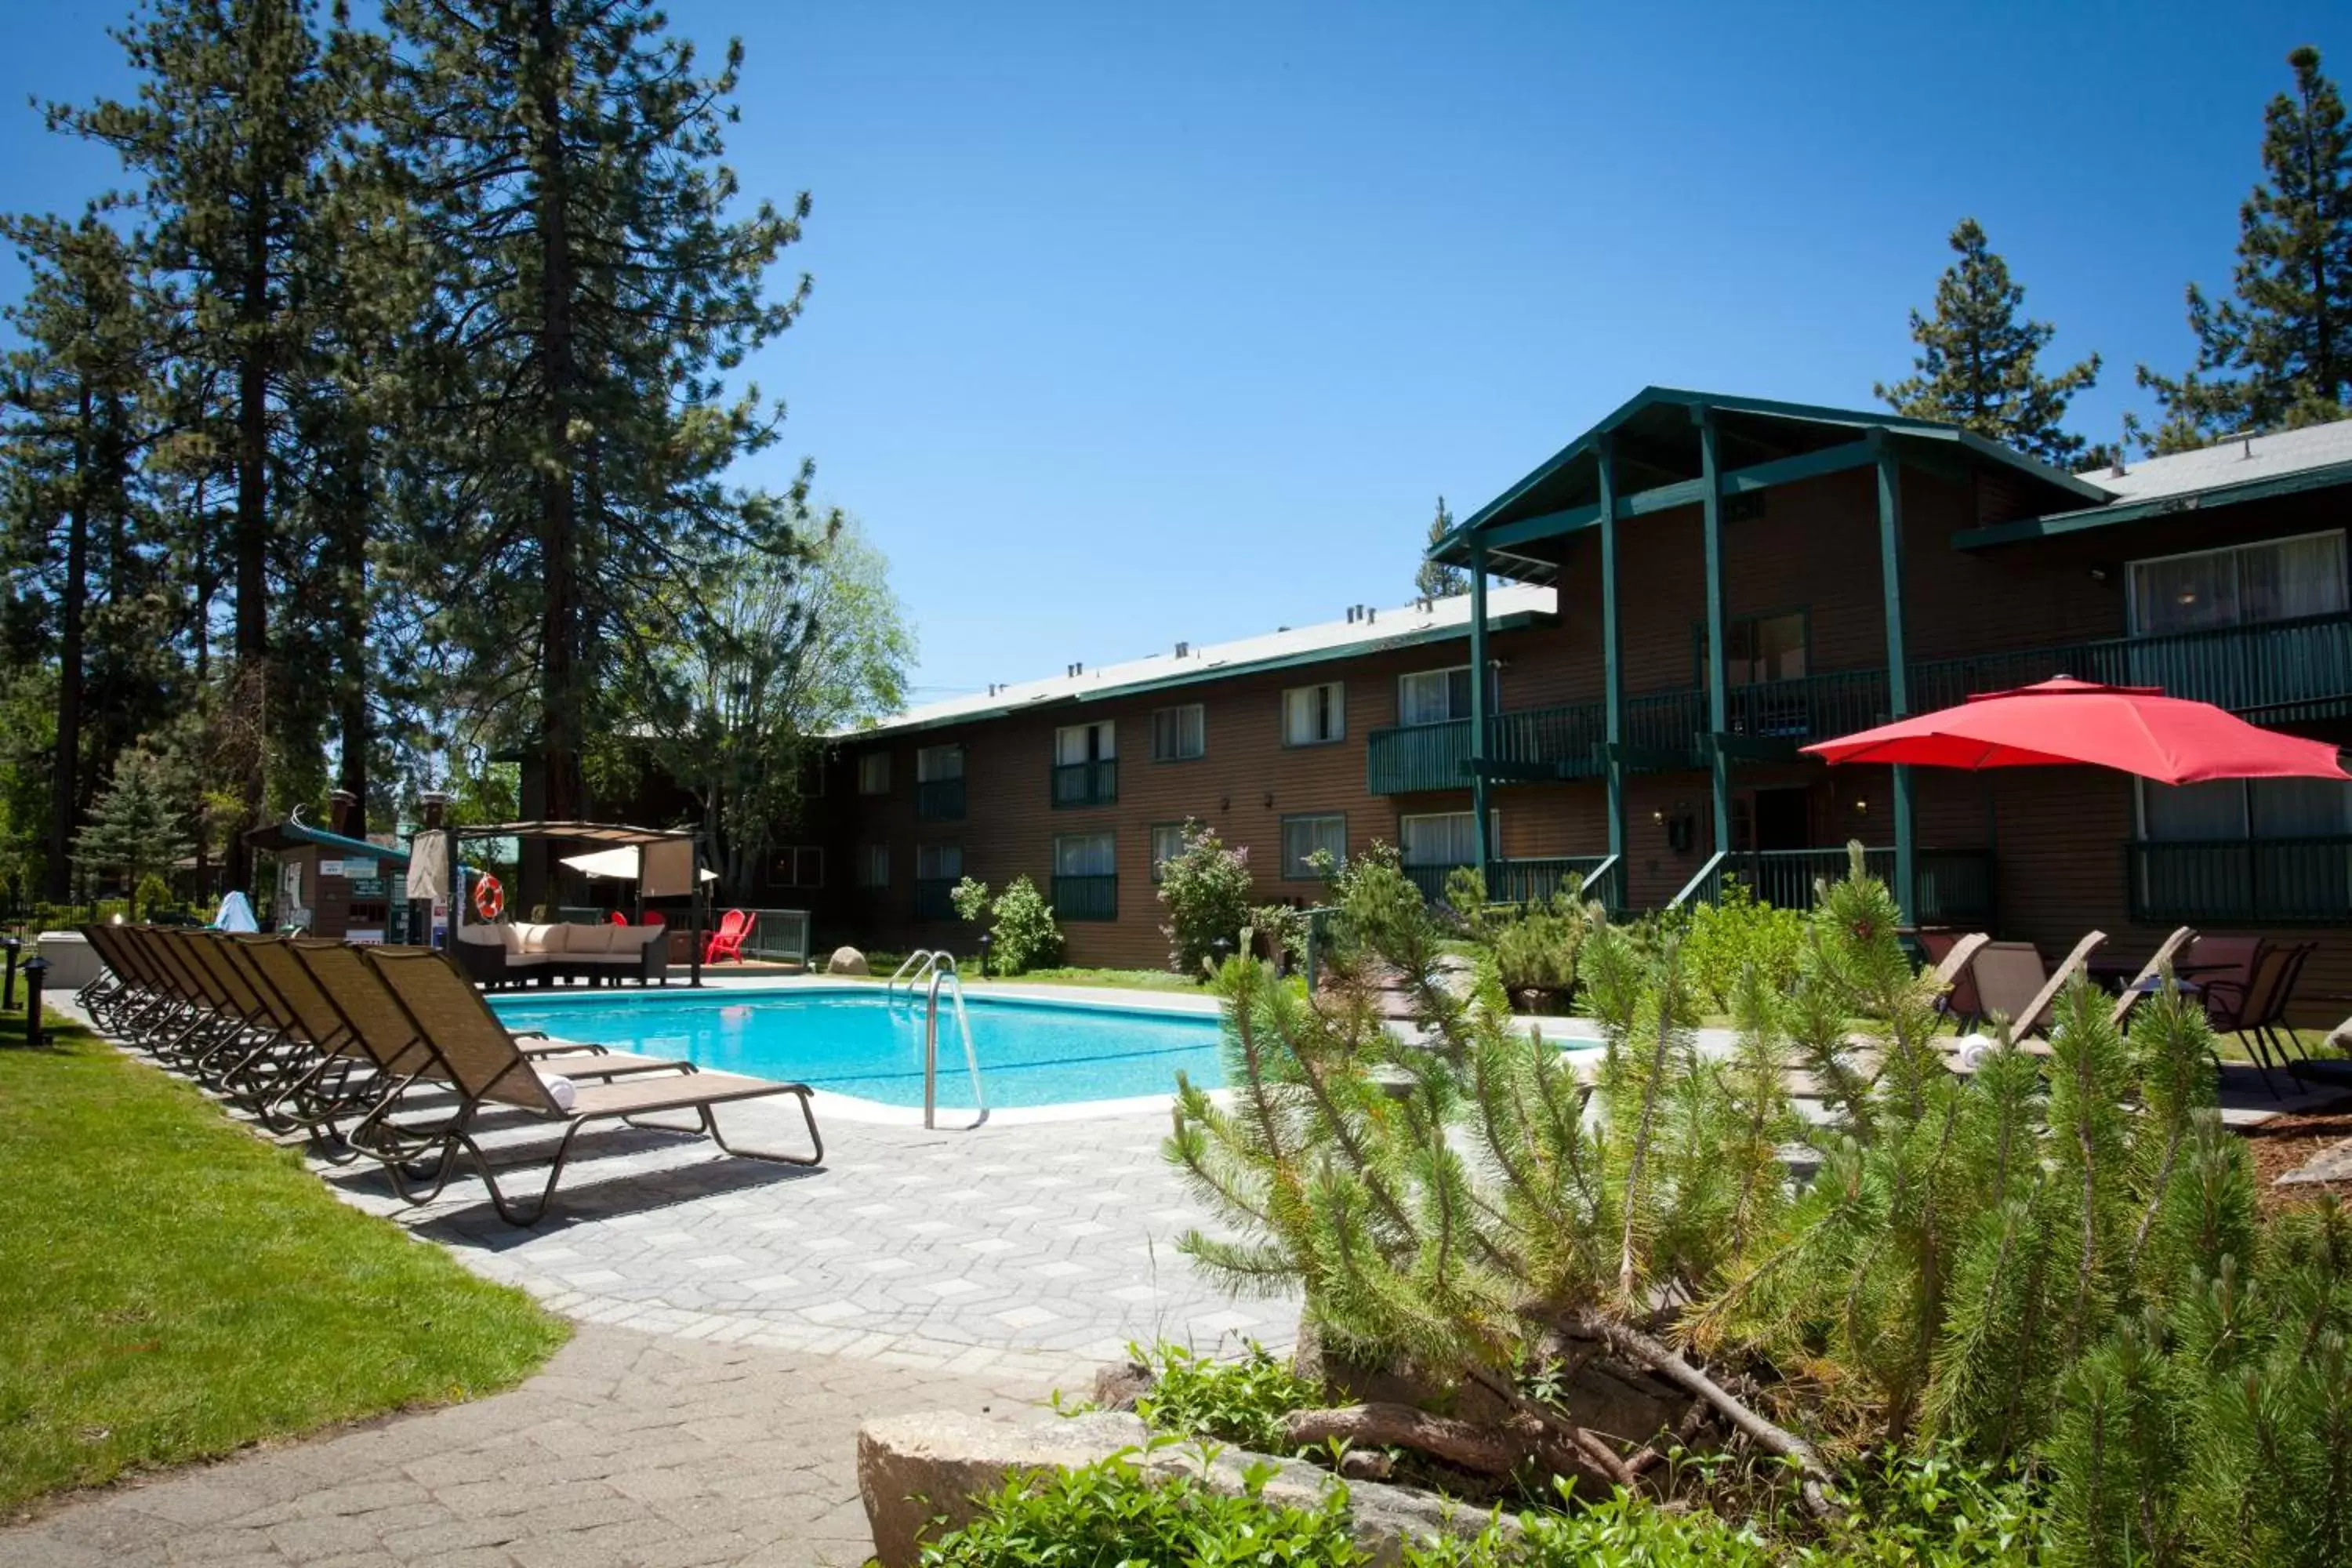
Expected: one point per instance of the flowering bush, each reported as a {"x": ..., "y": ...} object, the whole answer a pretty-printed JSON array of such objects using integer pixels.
[{"x": 1206, "y": 887}]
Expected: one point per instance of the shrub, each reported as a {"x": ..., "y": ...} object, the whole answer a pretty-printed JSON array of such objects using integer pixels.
[
  {"x": 1206, "y": 887},
  {"x": 1725, "y": 938},
  {"x": 1112, "y": 1512},
  {"x": 1023, "y": 935},
  {"x": 149, "y": 896},
  {"x": 1239, "y": 1402},
  {"x": 970, "y": 899}
]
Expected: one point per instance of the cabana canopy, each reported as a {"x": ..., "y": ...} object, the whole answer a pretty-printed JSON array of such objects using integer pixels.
[{"x": 668, "y": 864}]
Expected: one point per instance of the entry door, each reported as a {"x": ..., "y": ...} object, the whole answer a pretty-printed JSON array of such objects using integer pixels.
[{"x": 1784, "y": 819}]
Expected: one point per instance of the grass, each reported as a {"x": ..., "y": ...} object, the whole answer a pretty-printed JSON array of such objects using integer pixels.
[{"x": 174, "y": 1288}]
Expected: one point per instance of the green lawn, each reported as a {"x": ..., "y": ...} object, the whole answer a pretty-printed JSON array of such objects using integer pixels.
[{"x": 173, "y": 1288}]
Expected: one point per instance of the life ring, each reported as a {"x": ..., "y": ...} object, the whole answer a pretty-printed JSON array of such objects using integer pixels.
[{"x": 489, "y": 898}]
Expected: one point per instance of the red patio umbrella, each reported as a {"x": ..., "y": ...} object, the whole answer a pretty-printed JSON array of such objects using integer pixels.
[{"x": 2135, "y": 729}]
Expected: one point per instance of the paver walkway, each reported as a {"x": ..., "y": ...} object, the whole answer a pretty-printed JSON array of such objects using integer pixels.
[{"x": 629, "y": 1448}]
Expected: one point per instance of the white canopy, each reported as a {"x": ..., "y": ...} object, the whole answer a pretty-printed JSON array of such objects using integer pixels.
[{"x": 620, "y": 862}]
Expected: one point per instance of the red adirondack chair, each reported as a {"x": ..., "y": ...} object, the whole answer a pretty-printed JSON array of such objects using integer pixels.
[{"x": 727, "y": 942}]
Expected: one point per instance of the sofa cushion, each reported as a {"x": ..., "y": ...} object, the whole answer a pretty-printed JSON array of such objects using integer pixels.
[
  {"x": 483, "y": 936},
  {"x": 531, "y": 938},
  {"x": 588, "y": 942}
]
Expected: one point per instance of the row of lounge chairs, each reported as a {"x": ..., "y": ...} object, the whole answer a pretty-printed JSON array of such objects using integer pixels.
[{"x": 388, "y": 1054}]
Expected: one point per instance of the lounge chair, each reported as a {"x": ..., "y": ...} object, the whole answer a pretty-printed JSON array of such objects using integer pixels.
[
  {"x": 480, "y": 1063},
  {"x": 2012, "y": 984},
  {"x": 727, "y": 942},
  {"x": 1955, "y": 957},
  {"x": 2159, "y": 964}
]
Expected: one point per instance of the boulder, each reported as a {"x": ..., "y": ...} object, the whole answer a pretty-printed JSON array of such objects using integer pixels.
[
  {"x": 918, "y": 1475},
  {"x": 846, "y": 961},
  {"x": 2340, "y": 1039},
  {"x": 1119, "y": 1385}
]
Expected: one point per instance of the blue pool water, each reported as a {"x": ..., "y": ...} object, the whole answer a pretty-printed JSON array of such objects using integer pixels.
[{"x": 857, "y": 1042}]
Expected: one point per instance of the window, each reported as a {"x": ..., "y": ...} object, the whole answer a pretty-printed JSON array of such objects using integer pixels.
[
  {"x": 873, "y": 772},
  {"x": 1075, "y": 744},
  {"x": 1086, "y": 877},
  {"x": 800, "y": 866},
  {"x": 2276, "y": 580},
  {"x": 934, "y": 765},
  {"x": 1303, "y": 837},
  {"x": 1758, "y": 648},
  {"x": 939, "y": 862},
  {"x": 1166, "y": 843},
  {"x": 874, "y": 866},
  {"x": 1179, "y": 734},
  {"x": 1441, "y": 696},
  {"x": 1448, "y": 838},
  {"x": 2225, "y": 809},
  {"x": 1314, "y": 715},
  {"x": 814, "y": 767}
]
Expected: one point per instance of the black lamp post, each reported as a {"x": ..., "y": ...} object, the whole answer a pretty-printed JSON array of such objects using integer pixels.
[
  {"x": 14, "y": 946},
  {"x": 1222, "y": 947},
  {"x": 986, "y": 942},
  {"x": 34, "y": 968}
]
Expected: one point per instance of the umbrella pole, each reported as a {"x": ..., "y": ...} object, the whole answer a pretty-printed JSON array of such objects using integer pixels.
[{"x": 694, "y": 915}]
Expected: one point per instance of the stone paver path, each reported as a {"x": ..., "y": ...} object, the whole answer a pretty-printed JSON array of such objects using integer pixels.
[{"x": 629, "y": 1448}]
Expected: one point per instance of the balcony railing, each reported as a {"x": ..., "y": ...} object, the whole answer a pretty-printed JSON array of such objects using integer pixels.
[
  {"x": 2279, "y": 672},
  {"x": 1809, "y": 707},
  {"x": 1085, "y": 783},
  {"x": 1665, "y": 726},
  {"x": 939, "y": 800},
  {"x": 1955, "y": 885},
  {"x": 1085, "y": 898},
  {"x": 1535, "y": 880},
  {"x": 2242, "y": 882},
  {"x": 932, "y": 901},
  {"x": 1413, "y": 757}
]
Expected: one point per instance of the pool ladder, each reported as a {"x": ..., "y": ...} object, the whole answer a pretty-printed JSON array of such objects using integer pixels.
[{"x": 938, "y": 966}]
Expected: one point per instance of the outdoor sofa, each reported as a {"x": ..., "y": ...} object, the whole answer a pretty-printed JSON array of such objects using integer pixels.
[{"x": 512, "y": 954}]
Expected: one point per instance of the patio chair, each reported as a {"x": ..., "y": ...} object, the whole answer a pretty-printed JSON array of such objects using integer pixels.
[
  {"x": 2223, "y": 968},
  {"x": 727, "y": 942},
  {"x": 485, "y": 1069},
  {"x": 1954, "y": 956},
  {"x": 2012, "y": 984},
  {"x": 2159, "y": 964},
  {"x": 2259, "y": 1019}
]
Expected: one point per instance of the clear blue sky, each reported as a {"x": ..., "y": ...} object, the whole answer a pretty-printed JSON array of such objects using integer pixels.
[{"x": 1134, "y": 323}]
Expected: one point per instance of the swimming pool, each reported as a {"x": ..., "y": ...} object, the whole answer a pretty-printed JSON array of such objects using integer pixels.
[{"x": 858, "y": 1042}]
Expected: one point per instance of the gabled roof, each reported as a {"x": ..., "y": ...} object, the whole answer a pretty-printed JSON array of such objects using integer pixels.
[
  {"x": 1654, "y": 445},
  {"x": 1431, "y": 620}
]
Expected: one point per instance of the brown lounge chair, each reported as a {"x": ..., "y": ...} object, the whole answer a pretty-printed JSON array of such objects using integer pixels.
[
  {"x": 2158, "y": 963},
  {"x": 475, "y": 1058},
  {"x": 2012, "y": 984}
]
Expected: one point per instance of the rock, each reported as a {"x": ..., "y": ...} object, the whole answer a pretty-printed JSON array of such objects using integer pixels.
[
  {"x": 1119, "y": 1386},
  {"x": 2340, "y": 1039},
  {"x": 846, "y": 961},
  {"x": 1365, "y": 1464},
  {"x": 918, "y": 1475}
]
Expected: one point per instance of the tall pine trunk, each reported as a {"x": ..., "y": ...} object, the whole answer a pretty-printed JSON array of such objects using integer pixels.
[
  {"x": 352, "y": 617},
  {"x": 65, "y": 772},
  {"x": 251, "y": 547},
  {"x": 559, "y": 542}
]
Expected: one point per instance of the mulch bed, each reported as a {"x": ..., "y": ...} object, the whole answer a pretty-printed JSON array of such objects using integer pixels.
[{"x": 2287, "y": 1143}]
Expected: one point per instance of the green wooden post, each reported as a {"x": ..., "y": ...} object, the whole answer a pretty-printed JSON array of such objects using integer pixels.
[
  {"x": 1612, "y": 662},
  {"x": 1898, "y": 674},
  {"x": 1718, "y": 697},
  {"x": 1478, "y": 715}
]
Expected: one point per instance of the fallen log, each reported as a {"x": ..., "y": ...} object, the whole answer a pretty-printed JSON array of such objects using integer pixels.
[{"x": 1488, "y": 1451}]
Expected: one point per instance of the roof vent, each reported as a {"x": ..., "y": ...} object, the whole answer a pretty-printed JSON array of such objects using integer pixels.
[
  {"x": 1369, "y": 614},
  {"x": 1282, "y": 628},
  {"x": 1183, "y": 649},
  {"x": 2250, "y": 446},
  {"x": 1352, "y": 611},
  {"x": 1077, "y": 669}
]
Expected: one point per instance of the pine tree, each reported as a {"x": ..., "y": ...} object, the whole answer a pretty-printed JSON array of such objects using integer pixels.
[
  {"x": 73, "y": 390},
  {"x": 1977, "y": 359},
  {"x": 237, "y": 102},
  {"x": 1437, "y": 579},
  {"x": 134, "y": 827},
  {"x": 2279, "y": 355},
  {"x": 596, "y": 290}
]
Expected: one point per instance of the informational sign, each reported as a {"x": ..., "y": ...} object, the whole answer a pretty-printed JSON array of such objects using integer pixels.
[
  {"x": 360, "y": 870},
  {"x": 331, "y": 869},
  {"x": 363, "y": 938}
]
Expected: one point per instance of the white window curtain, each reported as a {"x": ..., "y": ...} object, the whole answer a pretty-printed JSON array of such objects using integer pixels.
[
  {"x": 939, "y": 862},
  {"x": 1314, "y": 714},
  {"x": 2288, "y": 578},
  {"x": 1084, "y": 854},
  {"x": 874, "y": 866},
  {"x": 1448, "y": 838},
  {"x": 2300, "y": 808},
  {"x": 874, "y": 774},
  {"x": 1304, "y": 836},
  {"x": 1166, "y": 843},
  {"x": 1178, "y": 733},
  {"x": 2271, "y": 580},
  {"x": 2238, "y": 808},
  {"x": 1427, "y": 697},
  {"x": 1075, "y": 743}
]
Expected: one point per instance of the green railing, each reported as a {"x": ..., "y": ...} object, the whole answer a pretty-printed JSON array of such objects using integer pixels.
[
  {"x": 1667, "y": 725},
  {"x": 2242, "y": 882},
  {"x": 932, "y": 901},
  {"x": 1532, "y": 881},
  {"x": 1783, "y": 878},
  {"x": 1085, "y": 898},
  {"x": 2281, "y": 671},
  {"x": 1416, "y": 757},
  {"x": 1809, "y": 707},
  {"x": 1085, "y": 783},
  {"x": 939, "y": 800},
  {"x": 1430, "y": 879},
  {"x": 1956, "y": 887}
]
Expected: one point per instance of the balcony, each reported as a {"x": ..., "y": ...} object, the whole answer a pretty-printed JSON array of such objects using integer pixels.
[
  {"x": 1085, "y": 898},
  {"x": 1809, "y": 708},
  {"x": 2242, "y": 882},
  {"x": 939, "y": 800},
  {"x": 932, "y": 898},
  {"x": 1085, "y": 783},
  {"x": 2279, "y": 672},
  {"x": 1662, "y": 729},
  {"x": 1955, "y": 886},
  {"x": 1532, "y": 880},
  {"x": 1416, "y": 757}
]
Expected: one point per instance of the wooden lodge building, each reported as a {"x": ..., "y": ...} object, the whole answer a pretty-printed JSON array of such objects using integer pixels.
[{"x": 1685, "y": 594}]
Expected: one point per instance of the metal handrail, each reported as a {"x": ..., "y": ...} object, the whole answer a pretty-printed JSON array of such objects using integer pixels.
[
  {"x": 946, "y": 971},
  {"x": 923, "y": 961}
]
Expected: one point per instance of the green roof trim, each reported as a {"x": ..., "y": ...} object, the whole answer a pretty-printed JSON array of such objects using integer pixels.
[
  {"x": 2056, "y": 524},
  {"x": 1511, "y": 621},
  {"x": 1455, "y": 544},
  {"x": 288, "y": 834}
]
